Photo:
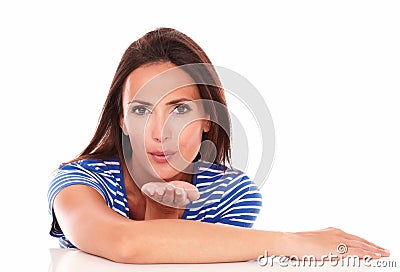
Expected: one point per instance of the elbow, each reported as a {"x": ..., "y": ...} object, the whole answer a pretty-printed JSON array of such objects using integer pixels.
[
  {"x": 127, "y": 251},
  {"x": 130, "y": 249},
  {"x": 123, "y": 244},
  {"x": 119, "y": 251}
]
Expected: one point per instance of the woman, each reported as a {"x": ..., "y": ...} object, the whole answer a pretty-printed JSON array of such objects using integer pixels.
[{"x": 147, "y": 190}]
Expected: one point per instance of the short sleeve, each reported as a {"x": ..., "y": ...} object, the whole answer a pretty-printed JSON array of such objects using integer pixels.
[
  {"x": 227, "y": 196},
  {"x": 243, "y": 203},
  {"x": 70, "y": 174}
]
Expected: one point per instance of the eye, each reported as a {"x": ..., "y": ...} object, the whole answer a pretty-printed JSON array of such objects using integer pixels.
[
  {"x": 181, "y": 109},
  {"x": 140, "y": 110}
]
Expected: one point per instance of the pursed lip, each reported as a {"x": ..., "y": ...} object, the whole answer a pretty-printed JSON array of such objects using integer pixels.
[
  {"x": 162, "y": 152},
  {"x": 160, "y": 156}
]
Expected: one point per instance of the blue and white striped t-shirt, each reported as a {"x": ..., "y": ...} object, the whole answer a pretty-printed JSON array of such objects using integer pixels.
[{"x": 226, "y": 197}]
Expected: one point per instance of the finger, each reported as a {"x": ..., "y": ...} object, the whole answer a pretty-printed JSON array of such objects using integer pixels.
[
  {"x": 169, "y": 195},
  {"x": 180, "y": 198},
  {"x": 182, "y": 184},
  {"x": 159, "y": 193},
  {"x": 149, "y": 189},
  {"x": 354, "y": 237},
  {"x": 192, "y": 194},
  {"x": 369, "y": 247},
  {"x": 362, "y": 253},
  {"x": 191, "y": 190}
]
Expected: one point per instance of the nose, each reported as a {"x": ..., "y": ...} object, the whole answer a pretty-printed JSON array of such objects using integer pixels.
[{"x": 157, "y": 128}]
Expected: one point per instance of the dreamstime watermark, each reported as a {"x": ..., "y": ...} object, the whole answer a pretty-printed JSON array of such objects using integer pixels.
[{"x": 331, "y": 259}]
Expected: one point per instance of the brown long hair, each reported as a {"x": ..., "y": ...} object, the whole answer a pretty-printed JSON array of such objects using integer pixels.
[{"x": 160, "y": 45}]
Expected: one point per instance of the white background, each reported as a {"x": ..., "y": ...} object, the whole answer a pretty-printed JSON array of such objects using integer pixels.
[{"x": 329, "y": 72}]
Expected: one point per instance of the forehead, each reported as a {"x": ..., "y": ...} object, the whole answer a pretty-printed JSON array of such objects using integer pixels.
[{"x": 158, "y": 81}]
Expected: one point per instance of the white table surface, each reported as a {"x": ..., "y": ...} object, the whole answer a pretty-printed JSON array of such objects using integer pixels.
[{"x": 76, "y": 261}]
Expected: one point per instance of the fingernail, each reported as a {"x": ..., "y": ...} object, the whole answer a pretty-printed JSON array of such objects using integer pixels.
[
  {"x": 151, "y": 191},
  {"x": 387, "y": 251},
  {"x": 378, "y": 254}
]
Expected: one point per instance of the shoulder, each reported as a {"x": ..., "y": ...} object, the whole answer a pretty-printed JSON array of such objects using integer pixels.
[
  {"x": 208, "y": 172},
  {"x": 103, "y": 175},
  {"x": 93, "y": 165},
  {"x": 90, "y": 168}
]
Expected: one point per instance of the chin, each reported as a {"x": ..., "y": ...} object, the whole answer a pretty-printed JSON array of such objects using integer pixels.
[
  {"x": 167, "y": 177},
  {"x": 168, "y": 171},
  {"x": 164, "y": 171}
]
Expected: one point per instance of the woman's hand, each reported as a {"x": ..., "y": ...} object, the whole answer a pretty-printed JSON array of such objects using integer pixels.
[
  {"x": 167, "y": 199},
  {"x": 332, "y": 241}
]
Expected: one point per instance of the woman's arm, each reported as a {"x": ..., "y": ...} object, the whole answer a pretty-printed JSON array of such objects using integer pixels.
[{"x": 95, "y": 228}]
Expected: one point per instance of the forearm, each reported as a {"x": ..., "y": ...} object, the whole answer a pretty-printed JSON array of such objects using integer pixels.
[
  {"x": 95, "y": 228},
  {"x": 182, "y": 241}
]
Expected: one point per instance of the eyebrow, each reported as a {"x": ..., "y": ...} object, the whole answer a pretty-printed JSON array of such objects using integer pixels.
[{"x": 172, "y": 102}]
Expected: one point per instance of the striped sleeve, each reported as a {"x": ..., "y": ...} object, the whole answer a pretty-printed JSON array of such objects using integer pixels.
[
  {"x": 71, "y": 174},
  {"x": 243, "y": 204},
  {"x": 226, "y": 197}
]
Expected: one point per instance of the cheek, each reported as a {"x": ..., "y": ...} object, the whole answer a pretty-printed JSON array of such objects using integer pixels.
[
  {"x": 190, "y": 140},
  {"x": 136, "y": 135},
  {"x": 136, "y": 129}
]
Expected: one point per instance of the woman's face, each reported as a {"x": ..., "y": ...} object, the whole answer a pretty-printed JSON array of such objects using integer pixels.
[{"x": 163, "y": 120}]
